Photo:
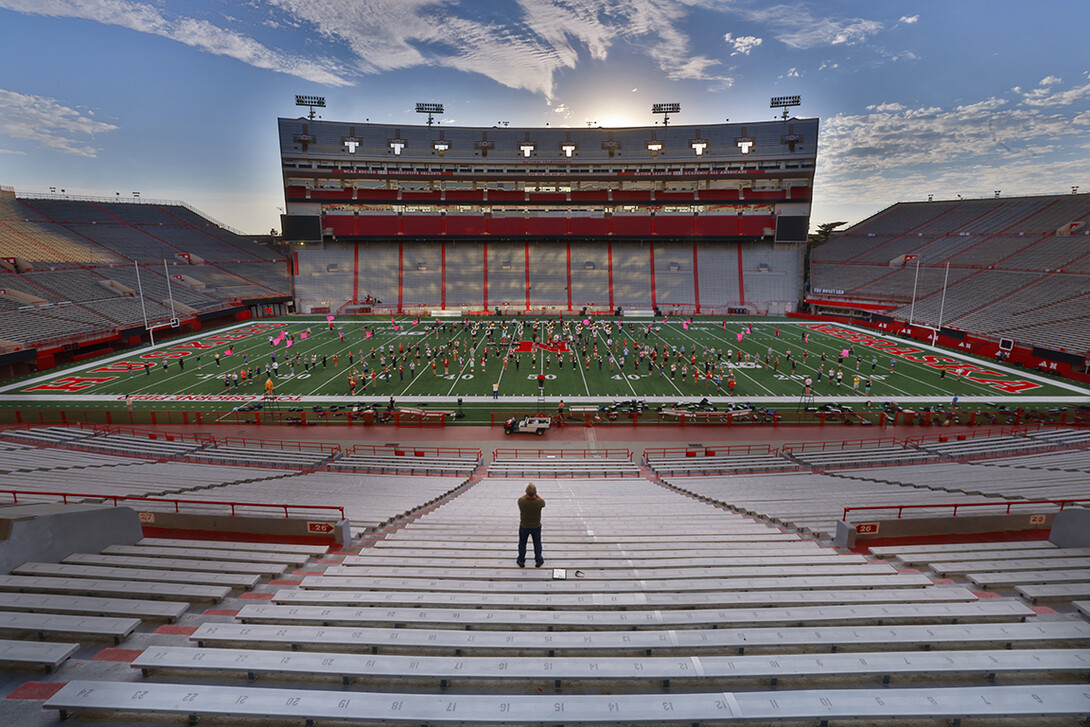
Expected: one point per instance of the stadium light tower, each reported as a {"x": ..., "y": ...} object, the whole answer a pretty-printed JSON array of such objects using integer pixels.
[
  {"x": 666, "y": 109},
  {"x": 784, "y": 102},
  {"x": 312, "y": 102},
  {"x": 429, "y": 109}
]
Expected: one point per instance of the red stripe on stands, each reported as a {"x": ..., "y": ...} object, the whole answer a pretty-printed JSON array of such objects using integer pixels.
[
  {"x": 283, "y": 582},
  {"x": 609, "y": 267},
  {"x": 568, "y": 268},
  {"x": 527, "y": 248},
  {"x": 400, "y": 273},
  {"x": 356, "y": 273},
  {"x": 696, "y": 279},
  {"x": 741, "y": 280},
  {"x": 250, "y": 595},
  {"x": 485, "y": 275},
  {"x": 120, "y": 655},
  {"x": 36, "y": 690},
  {"x": 443, "y": 274},
  {"x": 175, "y": 630},
  {"x": 221, "y": 612}
]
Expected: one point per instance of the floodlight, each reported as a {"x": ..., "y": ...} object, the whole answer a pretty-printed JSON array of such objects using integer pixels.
[
  {"x": 784, "y": 102},
  {"x": 311, "y": 102},
  {"x": 429, "y": 109},
  {"x": 666, "y": 109}
]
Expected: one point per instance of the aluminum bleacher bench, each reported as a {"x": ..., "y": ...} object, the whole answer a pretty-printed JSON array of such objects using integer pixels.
[
  {"x": 551, "y": 587},
  {"x": 311, "y": 705},
  {"x": 49, "y": 654},
  {"x": 1013, "y": 564},
  {"x": 885, "y": 551},
  {"x": 131, "y": 561},
  {"x": 277, "y": 548},
  {"x": 737, "y": 639},
  {"x": 691, "y": 670},
  {"x": 1017, "y": 578},
  {"x": 625, "y": 600},
  {"x": 49, "y": 434},
  {"x": 249, "y": 556},
  {"x": 235, "y": 580},
  {"x": 1054, "y": 591},
  {"x": 999, "y": 555},
  {"x": 92, "y": 605},
  {"x": 498, "y": 566},
  {"x": 993, "y": 609},
  {"x": 97, "y": 587},
  {"x": 42, "y": 624},
  {"x": 515, "y": 579}
]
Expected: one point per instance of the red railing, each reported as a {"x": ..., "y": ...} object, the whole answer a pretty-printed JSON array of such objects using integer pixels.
[
  {"x": 724, "y": 451},
  {"x": 108, "y": 429},
  {"x": 972, "y": 434},
  {"x": 279, "y": 445},
  {"x": 791, "y": 447},
  {"x": 563, "y": 453},
  {"x": 412, "y": 451},
  {"x": 956, "y": 506},
  {"x": 177, "y": 502}
]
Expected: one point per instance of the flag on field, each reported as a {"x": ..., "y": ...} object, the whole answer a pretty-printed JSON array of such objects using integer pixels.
[
  {"x": 288, "y": 343},
  {"x": 739, "y": 338},
  {"x": 397, "y": 328},
  {"x": 303, "y": 335},
  {"x": 586, "y": 321},
  {"x": 228, "y": 352},
  {"x": 724, "y": 325},
  {"x": 366, "y": 334},
  {"x": 844, "y": 352},
  {"x": 329, "y": 318},
  {"x": 685, "y": 325},
  {"x": 415, "y": 321}
]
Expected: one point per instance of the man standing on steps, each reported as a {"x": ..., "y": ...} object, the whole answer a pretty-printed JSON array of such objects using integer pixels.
[{"x": 530, "y": 506}]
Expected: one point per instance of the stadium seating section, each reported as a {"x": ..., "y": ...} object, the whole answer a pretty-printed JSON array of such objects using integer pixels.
[
  {"x": 1019, "y": 268},
  {"x": 69, "y": 267},
  {"x": 708, "y": 598}
]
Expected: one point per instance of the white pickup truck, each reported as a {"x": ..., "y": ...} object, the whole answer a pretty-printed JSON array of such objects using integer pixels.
[{"x": 527, "y": 425}]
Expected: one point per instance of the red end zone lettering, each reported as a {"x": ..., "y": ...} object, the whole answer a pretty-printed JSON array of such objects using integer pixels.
[
  {"x": 531, "y": 346},
  {"x": 71, "y": 383},
  {"x": 119, "y": 366}
]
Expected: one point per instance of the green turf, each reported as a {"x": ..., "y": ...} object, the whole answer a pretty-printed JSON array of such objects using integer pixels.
[{"x": 580, "y": 377}]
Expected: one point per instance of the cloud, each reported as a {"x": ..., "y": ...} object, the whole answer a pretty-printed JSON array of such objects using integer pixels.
[
  {"x": 791, "y": 73},
  {"x": 743, "y": 44},
  {"x": 199, "y": 34},
  {"x": 796, "y": 27},
  {"x": 12, "y": 151},
  {"x": 896, "y": 151},
  {"x": 1050, "y": 81},
  {"x": 46, "y": 123},
  {"x": 908, "y": 19},
  {"x": 1044, "y": 95}
]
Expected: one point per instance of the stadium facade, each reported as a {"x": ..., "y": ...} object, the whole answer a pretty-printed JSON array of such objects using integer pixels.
[{"x": 691, "y": 219}]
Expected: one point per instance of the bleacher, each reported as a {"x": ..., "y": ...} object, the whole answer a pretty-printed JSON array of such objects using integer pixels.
[
  {"x": 1016, "y": 270},
  {"x": 671, "y": 610},
  {"x": 66, "y": 249},
  {"x": 562, "y": 463}
]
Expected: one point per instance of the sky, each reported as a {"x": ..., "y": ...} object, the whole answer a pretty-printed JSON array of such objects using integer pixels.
[{"x": 179, "y": 100}]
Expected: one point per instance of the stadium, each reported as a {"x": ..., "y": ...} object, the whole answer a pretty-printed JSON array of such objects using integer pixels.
[{"x": 273, "y": 479}]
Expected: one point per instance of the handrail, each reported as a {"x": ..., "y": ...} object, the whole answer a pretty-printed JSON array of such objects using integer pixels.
[
  {"x": 411, "y": 450},
  {"x": 707, "y": 451},
  {"x": 1011, "y": 431},
  {"x": 176, "y": 501},
  {"x": 278, "y": 444},
  {"x": 563, "y": 453},
  {"x": 844, "y": 444},
  {"x": 956, "y": 505}
]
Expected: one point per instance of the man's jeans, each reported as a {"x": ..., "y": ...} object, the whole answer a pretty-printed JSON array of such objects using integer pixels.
[{"x": 534, "y": 533}]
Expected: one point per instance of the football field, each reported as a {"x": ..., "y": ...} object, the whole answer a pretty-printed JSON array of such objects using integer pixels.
[{"x": 507, "y": 363}]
